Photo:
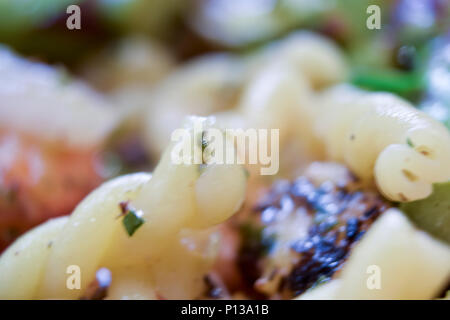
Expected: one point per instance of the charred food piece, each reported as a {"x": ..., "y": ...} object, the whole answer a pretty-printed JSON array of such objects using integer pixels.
[{"x": 303, "y": 231}]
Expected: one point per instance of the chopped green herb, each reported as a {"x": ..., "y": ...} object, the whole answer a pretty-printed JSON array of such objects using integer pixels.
[
  {"x": 132, "y": 218},
  {"x": 246, "y": 172},
  {"x": 204, "y": 144},
  {"x": 204, "y": 141},
  {"x": 132, "y": 221},
  {"x": 409, "y": 142}
]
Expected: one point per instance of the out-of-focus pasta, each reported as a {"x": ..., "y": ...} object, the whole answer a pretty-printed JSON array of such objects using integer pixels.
[
  {"x": 178, "y": 203},
  {"x": 316, "y": 57},
  {"x": 52, "y": 129},
  {"x": 202, "y": 87},
  {"x": 393, "y": 261},
  {"x": 382, "y": 137},
  {"x": 133, "y": 62},
  {"x": 218, "y": 83},
  {"x": 331, "y": 222}
]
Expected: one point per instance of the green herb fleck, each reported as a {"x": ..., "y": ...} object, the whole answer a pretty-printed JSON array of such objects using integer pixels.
[
  {"x": 247, "y": 173},
  {"x": 409, "y": 142},
  {"x": 132, "y": 218},
  {"x": 204, "y": 141}
]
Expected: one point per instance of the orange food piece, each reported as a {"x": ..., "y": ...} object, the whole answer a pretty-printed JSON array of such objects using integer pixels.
[{"x": 40, "y": 180}]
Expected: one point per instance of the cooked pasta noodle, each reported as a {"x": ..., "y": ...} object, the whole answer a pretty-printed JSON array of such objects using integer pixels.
[
  {"x": 174, "y": 200},
  {"x": 382, "y": 137},
  {"x": 392, "y": 247}
]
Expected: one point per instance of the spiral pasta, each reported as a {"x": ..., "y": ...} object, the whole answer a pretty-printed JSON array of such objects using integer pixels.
[
  {"x": 379, "y": 136},
  {"x": 201, "y": 87},
  {"x": 317, "y": 58},
  {"x": 179, "y": 203},
  {"x": 410, "y": 264},
  {"x": 260, "y": 85},
  {"x": 382, "y": 137}
]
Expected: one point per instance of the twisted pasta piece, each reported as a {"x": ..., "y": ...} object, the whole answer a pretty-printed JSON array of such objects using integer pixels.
[
  {"x": 250, "y": 84},
  {"x": 167, "y": 256},
  {"x": 394, "y": 260},
  {"x": 382, "y": 137},
  {"x": 317, "y": 58},
  {"x": 201, "y": 87}
]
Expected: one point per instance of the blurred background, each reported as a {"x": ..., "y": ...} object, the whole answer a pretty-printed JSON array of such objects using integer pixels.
[
  {"x": 125, "y": 47},
  {"x": 389, "y": 59}
]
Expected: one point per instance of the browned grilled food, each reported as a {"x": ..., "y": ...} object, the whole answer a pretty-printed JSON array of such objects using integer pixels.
[{"x": 303, "y": 231}]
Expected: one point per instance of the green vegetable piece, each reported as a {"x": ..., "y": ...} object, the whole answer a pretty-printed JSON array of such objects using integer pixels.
[
  {"x": 433, "y": 213},
  {"x": 132, "y": 221},
  {"x": 246, "y": 172},
  {"x": 387, "y": 80}
]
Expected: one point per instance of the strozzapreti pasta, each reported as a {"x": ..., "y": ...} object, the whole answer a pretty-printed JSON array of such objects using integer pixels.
[
  {"x": 382, "y": 137},
  {"x": 167, "y": 256}
]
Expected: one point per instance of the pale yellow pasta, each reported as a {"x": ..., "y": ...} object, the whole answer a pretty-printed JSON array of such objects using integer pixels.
[
  {"x": 201, "y": 87},
  {"x": 393, "y": 261},
  {"x": 272, "y": 98},
  {"x": 279, "y": 97},
  {"x": 179, "y": 203},
  {"x": 320, "y": 61},
  {"x": 264, "y": 86},
  {"x": 23, "y": 264},
  {"x": 380, "y": 136},
  {"x": 135, "y": 62},
  {"x": 129, "y": 72}
]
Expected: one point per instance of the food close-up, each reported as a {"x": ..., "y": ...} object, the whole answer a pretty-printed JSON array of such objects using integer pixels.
[{"x": 225, "y": 150}]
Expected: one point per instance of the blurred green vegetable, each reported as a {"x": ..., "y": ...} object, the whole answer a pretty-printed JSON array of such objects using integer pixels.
[
  {"x": 391, "y": 80},
  {"x": 433, "y": 213},
  {"x": 157, "y": 17}
]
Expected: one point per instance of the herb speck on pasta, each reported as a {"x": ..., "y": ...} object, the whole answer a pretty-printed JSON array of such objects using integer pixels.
[{"x": 132, "y": 218}]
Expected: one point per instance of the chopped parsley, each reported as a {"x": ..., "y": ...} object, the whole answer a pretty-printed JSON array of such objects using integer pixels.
[
  {"x": 246, "y": 172},
  {"x": 132, "y": 218},
  {"x": 409, "y": 142},
  {"x": 204, "y": 141},
  {"x": 204, "y": 144}
]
